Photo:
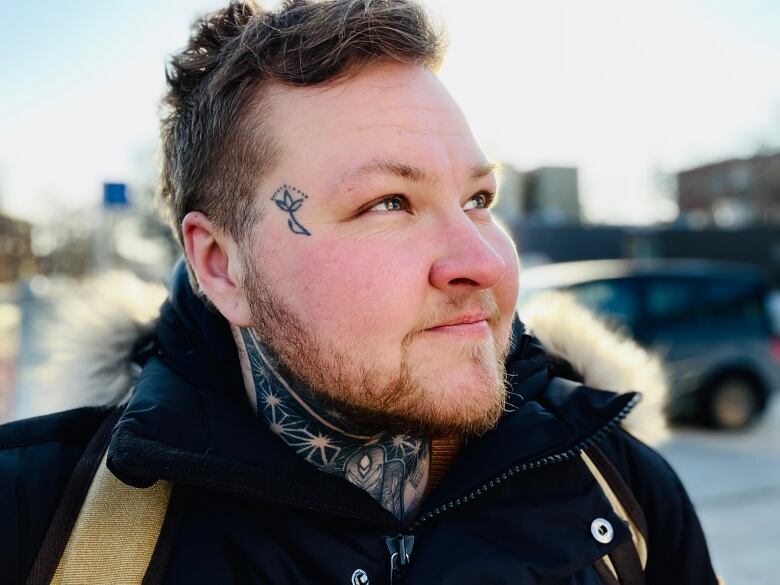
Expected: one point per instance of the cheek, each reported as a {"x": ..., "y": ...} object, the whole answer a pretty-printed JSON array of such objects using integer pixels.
[{"x": 360, "y": 287}]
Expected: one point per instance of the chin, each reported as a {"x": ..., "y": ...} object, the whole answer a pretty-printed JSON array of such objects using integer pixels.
[
  {"x": 473, "y": 365},
  {"x": 465, "y": 399},
  {"x": 467, "y": 413}
]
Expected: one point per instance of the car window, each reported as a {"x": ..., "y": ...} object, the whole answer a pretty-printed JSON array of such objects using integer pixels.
[
  {"x": 734, "y": 299},
  {"x": 613, "y": 299},
  {"x": 670, "y": 299}
]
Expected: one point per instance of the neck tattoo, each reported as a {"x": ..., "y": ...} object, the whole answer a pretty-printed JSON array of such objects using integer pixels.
[{"x": 392, "y": 468}]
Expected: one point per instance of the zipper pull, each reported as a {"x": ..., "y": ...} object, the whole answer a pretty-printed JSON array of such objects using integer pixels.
[{"x": 400, "y": 548}]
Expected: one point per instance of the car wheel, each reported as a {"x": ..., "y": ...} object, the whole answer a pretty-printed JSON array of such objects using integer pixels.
[{"x": 733, "y": 403}]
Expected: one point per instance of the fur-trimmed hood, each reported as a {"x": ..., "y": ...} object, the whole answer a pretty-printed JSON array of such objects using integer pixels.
[
  {"x": 604, "y": 358},
  {"x": 94, "y": 330}
]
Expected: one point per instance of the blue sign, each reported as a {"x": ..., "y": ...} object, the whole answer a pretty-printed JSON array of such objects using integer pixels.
[{"x": 115, "y": 195}]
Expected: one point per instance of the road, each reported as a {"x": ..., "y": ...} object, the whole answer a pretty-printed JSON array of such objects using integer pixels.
[
  {"x": 734, "y": 482},
  {"x": 29, "y": 398}
]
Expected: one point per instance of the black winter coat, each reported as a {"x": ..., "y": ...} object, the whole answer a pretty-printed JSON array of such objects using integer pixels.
[{"x": 516, "y": 507}]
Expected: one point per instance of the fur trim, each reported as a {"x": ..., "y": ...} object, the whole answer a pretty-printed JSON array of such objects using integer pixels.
[
  {"x": 89, "y": 336},
  {"x": 605, "y": 359},
  {"x": 92, "y": 332}
]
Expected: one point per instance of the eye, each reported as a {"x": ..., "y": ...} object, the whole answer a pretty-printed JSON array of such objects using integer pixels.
[
  {"x": 392, "y": 203},
  {"x": 482, "y": 200}
]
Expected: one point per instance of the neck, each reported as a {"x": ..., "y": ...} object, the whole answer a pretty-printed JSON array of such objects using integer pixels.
[{"x": 392, "y": 468}]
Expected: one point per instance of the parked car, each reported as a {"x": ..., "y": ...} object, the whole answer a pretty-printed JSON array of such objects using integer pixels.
[{"x": 709, "y": 321}]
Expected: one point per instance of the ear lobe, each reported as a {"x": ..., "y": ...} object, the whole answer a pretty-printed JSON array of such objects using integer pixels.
[{"x": 216, "y": 263}]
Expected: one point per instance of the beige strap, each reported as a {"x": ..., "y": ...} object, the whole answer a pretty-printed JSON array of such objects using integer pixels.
[
  {"x": 610, "y": 566},
  {"x": 636, "y": 535},
  {"x": 115, "y": 534}
]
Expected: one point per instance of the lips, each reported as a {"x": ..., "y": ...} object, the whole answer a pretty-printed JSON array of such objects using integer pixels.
[
  {"x": 466, "y": 324},
  {"x": 464, "y": 319}
]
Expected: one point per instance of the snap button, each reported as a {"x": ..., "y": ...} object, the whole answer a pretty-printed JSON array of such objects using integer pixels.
[
  {"x": 359, "y": 577},
  {"x": 602, "y": 530}
]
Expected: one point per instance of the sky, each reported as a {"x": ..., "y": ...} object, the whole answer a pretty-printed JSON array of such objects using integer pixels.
[{"x": 629, "y": 92}]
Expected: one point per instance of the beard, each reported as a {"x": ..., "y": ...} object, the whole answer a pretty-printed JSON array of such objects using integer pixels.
[{"x": 373, "y": 399}]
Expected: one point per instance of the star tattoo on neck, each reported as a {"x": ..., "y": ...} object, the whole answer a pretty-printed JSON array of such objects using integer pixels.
[{"x": 392, "y": 468}]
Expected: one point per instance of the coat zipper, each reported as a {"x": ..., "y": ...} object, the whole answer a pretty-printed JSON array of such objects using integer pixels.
[{"x": 400, "y": 546}]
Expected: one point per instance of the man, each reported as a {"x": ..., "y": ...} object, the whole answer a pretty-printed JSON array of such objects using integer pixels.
[{"x": 337, "y": 389}]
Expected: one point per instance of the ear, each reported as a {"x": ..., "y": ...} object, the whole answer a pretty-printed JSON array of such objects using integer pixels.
[{"x": 217, "y": 266}]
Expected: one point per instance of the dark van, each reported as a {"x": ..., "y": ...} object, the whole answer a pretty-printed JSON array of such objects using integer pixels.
[{"x": 708, "y": 321}]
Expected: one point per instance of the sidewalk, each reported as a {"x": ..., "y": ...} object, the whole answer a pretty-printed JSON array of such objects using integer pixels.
[{"x": 734, "y": 482}]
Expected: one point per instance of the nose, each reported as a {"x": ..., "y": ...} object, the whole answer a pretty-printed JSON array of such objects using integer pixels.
[{"x": 467, "y": 259}]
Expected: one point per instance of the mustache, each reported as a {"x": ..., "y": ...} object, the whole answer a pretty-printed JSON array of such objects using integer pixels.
[{"x": 481, "y": 301}]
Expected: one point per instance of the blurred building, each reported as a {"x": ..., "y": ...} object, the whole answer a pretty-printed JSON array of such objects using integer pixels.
[
  {"x": 547, "y": 194},
  {"x": 16, "y": 257},
  {"x": 732, "y": 193}
]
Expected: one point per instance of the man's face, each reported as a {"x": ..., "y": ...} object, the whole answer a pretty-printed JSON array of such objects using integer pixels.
[{"x": 376, "y": 273}]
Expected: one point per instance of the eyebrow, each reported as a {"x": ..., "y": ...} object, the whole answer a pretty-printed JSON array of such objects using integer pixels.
[{"x": 411, "y": 173}]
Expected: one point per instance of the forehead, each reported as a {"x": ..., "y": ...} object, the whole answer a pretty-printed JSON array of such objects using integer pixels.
[{"x": 388, "y": 112}]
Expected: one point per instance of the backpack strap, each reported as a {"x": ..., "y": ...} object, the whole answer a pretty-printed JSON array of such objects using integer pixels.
[
  {"x": 624, "y": 565},
  {"x": 103, "y": 531},
  {"x": 72, "y": 498},
  {"x": 116, "y": 532}
]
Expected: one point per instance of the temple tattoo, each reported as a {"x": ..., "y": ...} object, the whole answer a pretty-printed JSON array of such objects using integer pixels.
[
  {"x": 392, "y": 468},
  {"x": 290, "y": 205}
]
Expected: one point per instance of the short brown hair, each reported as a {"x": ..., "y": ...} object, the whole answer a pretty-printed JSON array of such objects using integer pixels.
[{"x": 215, "y": 144}]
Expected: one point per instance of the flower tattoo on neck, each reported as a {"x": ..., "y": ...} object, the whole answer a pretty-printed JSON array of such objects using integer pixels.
[{"x": 290, "y": 205}]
